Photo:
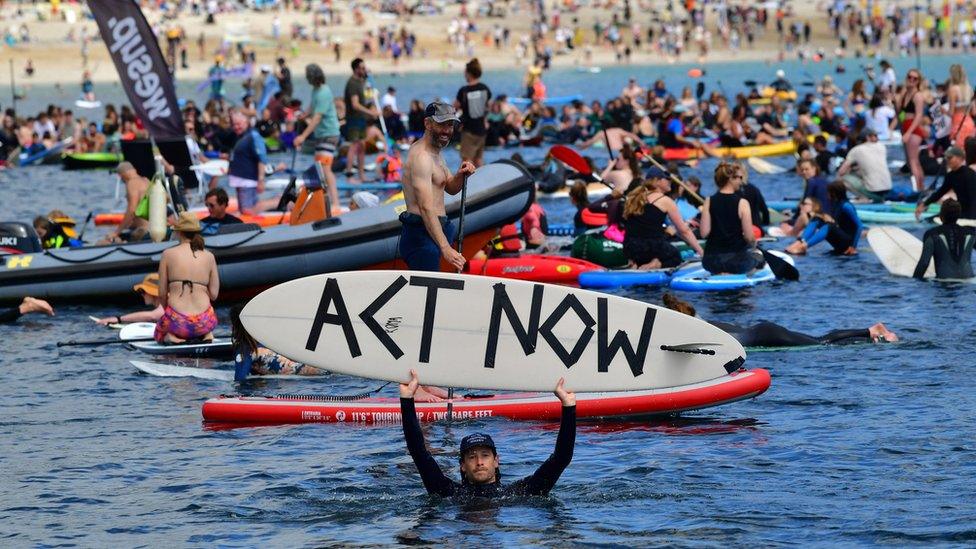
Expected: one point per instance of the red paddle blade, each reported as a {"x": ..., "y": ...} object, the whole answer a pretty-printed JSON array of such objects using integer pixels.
[{"x": 571, "y": 158}]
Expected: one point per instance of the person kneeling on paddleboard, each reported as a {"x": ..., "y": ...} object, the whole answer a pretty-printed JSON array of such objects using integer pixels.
[
  {"x": 480, "y": 474},
  {"x": 188, "y": 282}
]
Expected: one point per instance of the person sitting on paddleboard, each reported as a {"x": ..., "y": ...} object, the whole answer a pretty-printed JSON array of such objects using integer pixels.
[
  {"x": 427, "y": 233},
  {"x": 646, "y": 245},
  {"x": 188, "y": 282},
  {"x": 842, "y": 227},
  {"x": 480, "y": 473},
  {"x": 768, "y": 334},
  {"x": 726, "y": 223},
  {"x": 27, "y": 306},
  {"x": 950, "y": 244},
  {"x": 149, "y": 290},
  {"x": 251, "y": 358}
]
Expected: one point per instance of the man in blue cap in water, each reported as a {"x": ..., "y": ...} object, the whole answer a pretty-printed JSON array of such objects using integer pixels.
[{"x": 480, "y": 474}]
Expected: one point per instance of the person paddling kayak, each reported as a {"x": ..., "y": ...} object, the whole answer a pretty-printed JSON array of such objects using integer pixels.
[{"x": 479, "y": 461}]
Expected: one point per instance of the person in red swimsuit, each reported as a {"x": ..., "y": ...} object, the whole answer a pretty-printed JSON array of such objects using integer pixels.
[{"x": 914, "y": 127}]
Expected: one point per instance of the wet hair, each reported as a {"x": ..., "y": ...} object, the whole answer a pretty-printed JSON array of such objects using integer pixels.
[
  {"x": 473, "y": 68},
  {"x": 314, "y": 75},
  {"x": 950, "y": 211},
  {"x": 672, "y": 302},
  {"x": 238, "y": 334},
  {"x": 220, "y": 194},
  {"x": 837, "y": 192},
  {"x": 579, "y": 195}
]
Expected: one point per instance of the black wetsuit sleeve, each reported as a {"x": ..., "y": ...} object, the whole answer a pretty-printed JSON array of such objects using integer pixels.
[
  {"x": 545, "y": 477},
  {"x": 10, "y": 315},
  {"x": 928, "y": 248},
  {"x": 845, "y": 336},
  {"x": 434, "y": 480},
  {"x": 946, "y": 186}
]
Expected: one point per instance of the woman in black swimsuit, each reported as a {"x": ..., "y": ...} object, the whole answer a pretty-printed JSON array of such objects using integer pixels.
[{"x": 646, "y": 245}]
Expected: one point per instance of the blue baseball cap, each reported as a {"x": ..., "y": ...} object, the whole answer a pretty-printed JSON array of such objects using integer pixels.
[
  {"x": 654, "y": 172},
  {"x": 475, "y": 440}
]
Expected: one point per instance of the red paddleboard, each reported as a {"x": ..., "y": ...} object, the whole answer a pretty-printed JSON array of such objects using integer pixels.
[
  {"x": 553, "y": 269},
  {"x": 240, "y": 411}
]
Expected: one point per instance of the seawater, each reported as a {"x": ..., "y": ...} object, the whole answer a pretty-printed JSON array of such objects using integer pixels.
[{"x": 861, "y": 445}]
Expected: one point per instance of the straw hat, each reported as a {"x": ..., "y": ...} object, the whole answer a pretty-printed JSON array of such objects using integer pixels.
[
  {"x": 149, "y": 285},
  {"x": 187, "y": 223}
]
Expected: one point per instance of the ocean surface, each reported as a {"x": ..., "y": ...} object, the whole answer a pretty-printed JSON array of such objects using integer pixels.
[{"x": 851, "y": 446}]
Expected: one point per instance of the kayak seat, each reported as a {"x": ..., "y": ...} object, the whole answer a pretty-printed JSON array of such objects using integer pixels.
[
  {"x": 238, "y": 228},
  {"x": 19, "y": 238}
]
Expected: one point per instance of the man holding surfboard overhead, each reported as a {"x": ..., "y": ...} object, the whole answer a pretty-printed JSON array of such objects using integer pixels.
[
  {"x": 480, "y": 474},
  {"x": 427, "y": 233}
]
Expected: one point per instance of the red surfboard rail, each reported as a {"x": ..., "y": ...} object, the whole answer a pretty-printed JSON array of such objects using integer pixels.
[{"x": 238, "y": 411}]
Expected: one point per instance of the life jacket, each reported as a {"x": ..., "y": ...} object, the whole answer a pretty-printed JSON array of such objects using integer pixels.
[
  {"x": 392, "y": 167},
  {"x": 508, "y": 240}
]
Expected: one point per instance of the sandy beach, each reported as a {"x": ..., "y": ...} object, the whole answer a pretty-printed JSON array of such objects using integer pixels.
[{"x": 58, "y": 60}]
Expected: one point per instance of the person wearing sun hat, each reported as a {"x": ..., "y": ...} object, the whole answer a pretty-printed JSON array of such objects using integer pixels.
[
  {"x": 188, "y": 282},
  {"x": 149, "y": 290}
]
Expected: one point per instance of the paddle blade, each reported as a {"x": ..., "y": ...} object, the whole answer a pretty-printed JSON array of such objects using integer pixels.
[
  {"x": 571, "y": 158},
  {"x": 780, "y": 267}
]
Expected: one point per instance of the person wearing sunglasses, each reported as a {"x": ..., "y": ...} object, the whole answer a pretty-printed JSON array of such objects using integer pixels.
[
  {"x": 216, "y": 202},
  {"x": 914, "y": 130}
]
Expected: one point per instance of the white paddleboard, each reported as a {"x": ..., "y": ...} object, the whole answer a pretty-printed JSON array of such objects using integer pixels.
[
  {"x": 485, "y": 333},
  {"x": 84, "y": 104},
  {"x": 898, "y": 250},
  {"x": 765, "y": 166},
  {"x": 137, "y": 330},
  {"x": 170, "y": 370}
]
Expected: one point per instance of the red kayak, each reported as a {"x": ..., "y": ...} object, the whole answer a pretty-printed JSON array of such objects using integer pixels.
[
  {"x": 681, "y": 154},
  {"x": 241, "y": 411},
  {"x": 553, "y": 269}
]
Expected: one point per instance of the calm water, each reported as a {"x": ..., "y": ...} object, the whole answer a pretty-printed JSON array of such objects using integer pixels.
[{"x": 861, "y": 445}]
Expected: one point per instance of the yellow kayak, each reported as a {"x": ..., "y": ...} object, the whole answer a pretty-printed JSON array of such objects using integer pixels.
[
  {"x": 782, "y": 95},
  {"x": 772, "y": 149}
]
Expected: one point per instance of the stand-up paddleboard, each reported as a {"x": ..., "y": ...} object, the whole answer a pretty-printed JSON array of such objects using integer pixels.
[
  {"x": 486, "y": 333},
  {"x": 86, "y": 104},
  {"x": 764, "y": 166},
  {"x": 697, "y": 279},
  {"x": 242, "y": 411},
  {"x": 898, "y": 250},
  {"x": 171, "y": 370},
  {"x": 139, "y": 336},
  {"x": 620, "y": 278}
]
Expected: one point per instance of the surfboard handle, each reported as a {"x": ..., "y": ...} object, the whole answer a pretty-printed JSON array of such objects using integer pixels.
[{"x": 689, "y": 351}]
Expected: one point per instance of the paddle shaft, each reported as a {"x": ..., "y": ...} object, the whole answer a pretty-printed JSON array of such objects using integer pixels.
[
  {"x": 676, "y": 179},
  {"x": 95, "y": 342},
  {"x": 84, "y": 227},
  {"x": 606, "y": 139},
  {"x": 460, "y": 249}
]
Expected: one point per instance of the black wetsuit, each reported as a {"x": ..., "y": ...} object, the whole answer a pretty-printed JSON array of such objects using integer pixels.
[
  {"x": 768, "y": 334},
  {"x": 963, "y": 181},
  {"x": 9, "y": 315},
  {"x": 757, "y": 203},
  {"x": 538, "y": 483},
  {"x": 952, "y": 247}
]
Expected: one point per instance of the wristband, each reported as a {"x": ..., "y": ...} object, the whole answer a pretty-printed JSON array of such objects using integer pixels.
[{"x": 118, "y": 319}]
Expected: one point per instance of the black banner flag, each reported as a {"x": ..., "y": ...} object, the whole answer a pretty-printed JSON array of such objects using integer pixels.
[{"x": 141, "y": 66}]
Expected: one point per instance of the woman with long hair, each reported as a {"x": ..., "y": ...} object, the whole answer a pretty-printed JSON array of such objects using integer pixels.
[
  {"x": 914, "y": 125},
  {"x": 960, "y": 98},
  {"x": 255, "y": 359},
  {"x": 188, "y": 282},
  {"x": 841, "y": 227},
  {"x": 646, "y": 245}
]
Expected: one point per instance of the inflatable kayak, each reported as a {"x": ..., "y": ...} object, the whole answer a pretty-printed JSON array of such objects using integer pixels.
[
  {"x": 138, "y": 336},
  {"x": 250, "y": 258},
  {"x": 772, "y": 149},
  {"x": 553, "y": 269},
  {"x": 594, "y": 247},
  {"x": 697, "y": 279},
  {"x": 262, "y": 219},
  {"x": 242, "y": 411},
  {"x": 88, "y": 161}
]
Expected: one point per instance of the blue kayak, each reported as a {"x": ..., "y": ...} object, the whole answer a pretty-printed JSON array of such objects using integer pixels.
[{"x": 697, "y": 279}]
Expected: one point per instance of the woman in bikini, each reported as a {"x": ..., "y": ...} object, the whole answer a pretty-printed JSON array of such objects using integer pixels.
[
  {"x": 914, "y": 128},
  {"x": 960, "y": 99},
  {"x": 188, "y": 282}
]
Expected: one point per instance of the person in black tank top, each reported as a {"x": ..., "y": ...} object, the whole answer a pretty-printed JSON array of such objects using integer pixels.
[
  {"x": 646, "y": 244},
  {"x": 727, "y": 225}
]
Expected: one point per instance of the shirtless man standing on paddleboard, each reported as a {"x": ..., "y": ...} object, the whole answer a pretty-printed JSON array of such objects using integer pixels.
[{"x": 426, "y": 234}]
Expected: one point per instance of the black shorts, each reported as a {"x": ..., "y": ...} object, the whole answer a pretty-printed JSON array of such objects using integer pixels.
[{"x": 645, "y": 250}]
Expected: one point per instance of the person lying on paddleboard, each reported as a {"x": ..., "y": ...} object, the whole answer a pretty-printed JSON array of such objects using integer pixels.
[
  {"x": 950, "y": 245},
  {"x": 768, "y": 334},
  {"x": 27, "y": 306},
  {"x": 479, "y": 461},
  {"x": 149, "y": 290},
  {"x": 188, "y": 282}
]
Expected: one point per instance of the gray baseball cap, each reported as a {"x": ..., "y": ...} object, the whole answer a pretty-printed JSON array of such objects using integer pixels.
[
  {"x": 441, "y": 112},
  {"x": 955, "y": 151}
]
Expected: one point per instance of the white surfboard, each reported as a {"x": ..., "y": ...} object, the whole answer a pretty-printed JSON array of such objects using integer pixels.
[
  {"x": 85, "y": 104},
  {"x": 764, "y": 166},
  {"x": 137, "y": 330},
  {"x": 486, "y": 333},
  {"x": 898, "y": 250},
  {"x": 170, "y": 370}
]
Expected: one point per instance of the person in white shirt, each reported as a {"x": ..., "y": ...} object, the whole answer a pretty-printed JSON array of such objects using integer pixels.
[
  {"x": 865, "y": 170},
  {"x": 888, "y": 77},
  {"x": 879, "y": 116},
  {"x": 389, "y": 98}
]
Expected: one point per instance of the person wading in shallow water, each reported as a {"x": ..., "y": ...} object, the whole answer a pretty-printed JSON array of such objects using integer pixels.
[{"x": 479, "y": 460}]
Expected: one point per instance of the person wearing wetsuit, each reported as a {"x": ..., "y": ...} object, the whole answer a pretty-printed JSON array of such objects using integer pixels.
[
  {"x": 727, "y": 225},
  {"x": 480, "y": 475},
  {"x": 842, "y": 227},
  {"x": 769, "y": 334},
  {"x": 950, "y": 245},
  {"x": 757, "y": 204},
  {"x": 28, "y": 305},
  {"x": 646, "y": 244},
  {"x": 960, "y": 179}
]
